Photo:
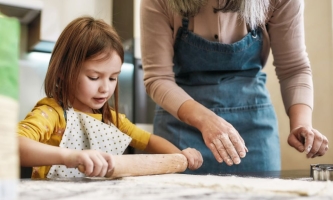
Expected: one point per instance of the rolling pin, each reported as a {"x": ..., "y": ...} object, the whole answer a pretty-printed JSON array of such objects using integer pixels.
[{"x": 145, "y": 164}]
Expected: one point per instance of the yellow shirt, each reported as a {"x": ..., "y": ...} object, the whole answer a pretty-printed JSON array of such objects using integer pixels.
[{"x": 46, "y": 123}]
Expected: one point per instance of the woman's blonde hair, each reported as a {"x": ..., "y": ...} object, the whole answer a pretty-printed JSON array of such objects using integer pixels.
[
  {"x": 83, "y": 39},
  {"x": 253, "y": 12}
]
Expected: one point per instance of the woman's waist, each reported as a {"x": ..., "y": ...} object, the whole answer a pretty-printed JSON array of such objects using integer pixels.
[
  {"x": 231, "y": 92},
  {"x": 197, "y": 78}
]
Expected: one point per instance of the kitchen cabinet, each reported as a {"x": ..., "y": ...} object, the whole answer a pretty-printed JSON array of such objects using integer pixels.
[
  {"x": 28, "y": 12},
  {"x": 25, "y": 10},
  {"x": 44, "y": 20},
  {"x": 56, "y": 14}
]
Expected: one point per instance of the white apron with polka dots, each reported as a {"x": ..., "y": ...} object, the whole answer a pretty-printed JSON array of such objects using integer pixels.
[{"x": 85, "y": 132}]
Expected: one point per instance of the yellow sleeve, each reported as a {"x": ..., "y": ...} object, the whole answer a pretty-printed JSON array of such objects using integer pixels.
[
  {"x": 43, "y": 124},
  {"x": 140, "y": 138},
  {"x": 46, "y": 124}
]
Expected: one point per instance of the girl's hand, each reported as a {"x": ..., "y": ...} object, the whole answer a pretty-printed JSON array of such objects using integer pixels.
[
  {"x": 309, "y": 140},
  {"x": 95, "y": 163},
  {"x": 194, "y": 158}
]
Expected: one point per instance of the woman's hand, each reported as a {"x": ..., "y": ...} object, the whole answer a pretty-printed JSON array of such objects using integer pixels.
[
  {"x": 219, "y": 136},
  {"x": 90, "y": 162},
  {"x": 223, "y": 140},
  {"x": 309, "y": 140},
  {"x": 194, "y": 158},
  {"x": 302, "y": 136}
]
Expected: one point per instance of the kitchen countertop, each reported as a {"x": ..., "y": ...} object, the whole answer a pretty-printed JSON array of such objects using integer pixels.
[
  {"x": 285, "y": 174},
  {"x": 173, "y": 186}
]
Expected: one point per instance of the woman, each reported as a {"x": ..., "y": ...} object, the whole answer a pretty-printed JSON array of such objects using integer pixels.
[{"x": 203, "y": 62}]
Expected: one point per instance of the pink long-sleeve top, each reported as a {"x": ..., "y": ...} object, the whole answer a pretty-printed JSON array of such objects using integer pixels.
[{"x": 283, "y": 34}]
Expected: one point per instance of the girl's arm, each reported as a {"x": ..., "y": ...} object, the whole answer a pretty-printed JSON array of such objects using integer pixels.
[
  {"x": 159, "y": 145},
  {"x": 34, "y": 153}
]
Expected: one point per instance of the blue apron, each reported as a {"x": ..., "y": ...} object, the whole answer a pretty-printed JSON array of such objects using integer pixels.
[{"x": 227, "y": 79}]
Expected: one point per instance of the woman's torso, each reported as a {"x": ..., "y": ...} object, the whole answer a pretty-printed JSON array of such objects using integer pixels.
[{"x": 283, "y": 33}]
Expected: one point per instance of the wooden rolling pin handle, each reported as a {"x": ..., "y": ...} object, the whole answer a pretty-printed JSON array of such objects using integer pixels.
[{"x": 145, "y": 164}]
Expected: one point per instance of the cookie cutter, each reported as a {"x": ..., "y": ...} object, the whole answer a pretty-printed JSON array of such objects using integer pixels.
[{"x": 321, "y": 172}]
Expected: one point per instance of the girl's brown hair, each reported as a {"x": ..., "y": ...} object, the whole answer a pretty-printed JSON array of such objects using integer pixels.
[{"x": 83, "y": 39}]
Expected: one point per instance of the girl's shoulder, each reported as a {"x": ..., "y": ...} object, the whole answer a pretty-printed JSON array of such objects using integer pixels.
[
  {"x": 51, "y": 108},
  {"x": 121, "y": 116},
  {"x": 123, "y": 120},
  {"x": 51, "y": 104},
  {"x": 46, "y": 118}
]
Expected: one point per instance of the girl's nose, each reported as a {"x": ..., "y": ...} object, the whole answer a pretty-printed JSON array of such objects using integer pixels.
[{"x": 104, "y": 87}]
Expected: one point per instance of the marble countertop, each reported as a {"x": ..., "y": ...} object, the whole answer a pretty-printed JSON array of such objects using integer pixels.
[{"x": 180, "y": 187}]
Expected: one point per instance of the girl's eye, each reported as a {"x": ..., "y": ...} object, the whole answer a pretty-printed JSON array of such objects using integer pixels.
[
  {"x": 93, "y": 78},
  {"x": 113, "y": 79}
]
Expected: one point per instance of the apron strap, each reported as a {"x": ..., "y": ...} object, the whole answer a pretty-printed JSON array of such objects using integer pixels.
[
  {"x": 185, "y": 22},
  {"x": 254, "y": 33},
  {"x": 65, "y": 114}
]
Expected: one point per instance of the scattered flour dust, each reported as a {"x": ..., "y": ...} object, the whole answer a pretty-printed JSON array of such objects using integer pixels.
[
  {"x": 234, "y": 184},
  {"x": 174, "y": 186}
]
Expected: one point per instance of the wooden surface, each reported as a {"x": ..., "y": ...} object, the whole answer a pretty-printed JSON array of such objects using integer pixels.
[{"x": 146, "y": 164}]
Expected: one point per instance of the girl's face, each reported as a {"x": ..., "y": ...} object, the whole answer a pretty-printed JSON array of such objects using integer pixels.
[{"x": 96, "y": 82}]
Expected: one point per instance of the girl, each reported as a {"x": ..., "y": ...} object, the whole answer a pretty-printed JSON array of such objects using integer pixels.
[{"x": 73, "y": 125}]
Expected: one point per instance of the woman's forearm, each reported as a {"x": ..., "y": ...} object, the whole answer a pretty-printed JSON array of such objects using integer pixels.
[{"x": 300, "y": 115}]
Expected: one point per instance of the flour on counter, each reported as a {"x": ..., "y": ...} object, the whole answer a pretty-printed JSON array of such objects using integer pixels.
[
  {"x": 174, "y": 186},
  {"x": 235, "y": 184}
]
